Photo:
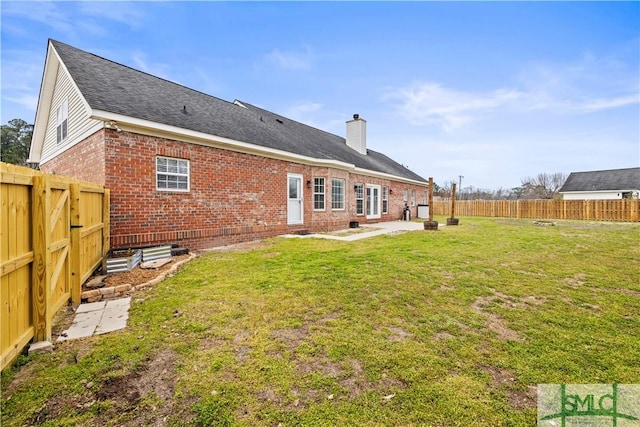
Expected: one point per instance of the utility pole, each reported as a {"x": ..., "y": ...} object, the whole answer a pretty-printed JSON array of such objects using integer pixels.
[{"x": 460, "y": 185}]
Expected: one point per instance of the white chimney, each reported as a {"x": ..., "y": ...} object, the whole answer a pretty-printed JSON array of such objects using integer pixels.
[{"x": 357, "y": 134}]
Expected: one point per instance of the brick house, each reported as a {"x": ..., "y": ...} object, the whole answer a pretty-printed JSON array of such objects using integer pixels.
[{"x": 188, "y": 168}]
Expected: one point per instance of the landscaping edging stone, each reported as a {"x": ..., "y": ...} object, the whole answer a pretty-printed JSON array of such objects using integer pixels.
[{"x": 94, "y": 295}]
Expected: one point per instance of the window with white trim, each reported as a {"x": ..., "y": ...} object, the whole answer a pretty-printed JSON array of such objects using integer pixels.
[
  {"x": 413, "y": 197},
  {"x": 359, "y": 199},
  {"x": 385, "y": 200},
  {"x": 172, "y": 174},
  {"x": 337, "y": 194},
  {"x": 318, "y": 194},
  {"x": 62, "y": 121},
  {"x": 405, "y": 195}
]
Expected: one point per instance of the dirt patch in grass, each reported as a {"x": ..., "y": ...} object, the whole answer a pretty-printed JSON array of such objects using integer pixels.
[
  {"x": 149, "y": 392},
  {"x": 243, "y": 353},
  {"x": 350, "y": 377},
  {"x": 577, "y": 280},
  {"x": 349, "y": 374},
  {"x": 59, "y": 405},
  {"x": 533, "y": 300},
  {"x": 159, "y": 377},
  {"x": 494, "y": 322},
  {"x": 442, "y": 335},
  {"x": 623, "y": 291},
  {"x": 305, "y": 398},
  {"x": 356, "y": 383},
  {"x": 398, "y": 334},
  {"x": 121, "y": 391},
  {"x": 320, "y": 365},
  {"x": 270, "y": 254},
  {"x": 504, "y": 379},
  {"x": 210, "y": 343},
  {"x": 293, "y": 337},
  {"x": 62, "y": 320},
  {"x": 241, "y": 337}
]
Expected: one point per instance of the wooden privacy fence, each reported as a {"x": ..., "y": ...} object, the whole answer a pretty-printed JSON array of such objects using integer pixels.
[
  {"x": 54, "y": 233},
  {"x": 594, "y": 210}
]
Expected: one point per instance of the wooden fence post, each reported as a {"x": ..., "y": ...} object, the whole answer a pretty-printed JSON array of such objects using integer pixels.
[
  {"x": 76, "y": 267},
  {"x": 106, "y": 230},
  {"x": 41, "y": 281},
  {"x": 453, "y": 200},
  {"x": 430, "y": 195}
]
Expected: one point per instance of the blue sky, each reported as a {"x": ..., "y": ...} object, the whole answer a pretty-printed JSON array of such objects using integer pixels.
[{"x": 493, "y": 91}]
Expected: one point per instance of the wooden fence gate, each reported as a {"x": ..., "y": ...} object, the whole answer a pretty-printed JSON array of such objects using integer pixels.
[{"x": 54, "y": 233}]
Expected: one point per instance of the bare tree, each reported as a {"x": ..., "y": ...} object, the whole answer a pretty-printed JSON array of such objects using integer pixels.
[{"x": 543, "y": 185}]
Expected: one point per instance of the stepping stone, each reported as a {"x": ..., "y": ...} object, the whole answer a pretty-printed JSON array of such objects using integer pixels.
[
  {"x": 156, "y": 263},
  {"x": 84, "y": 325},
  {"x": 95, "y": 282},
  {"x": 83, "y": 308},
  {"x": 98, "y": 318},
  {"x": 115, "y": 316}
]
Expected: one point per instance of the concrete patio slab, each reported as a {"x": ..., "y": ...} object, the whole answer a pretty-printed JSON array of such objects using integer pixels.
[{"x": 377, "y": 229}]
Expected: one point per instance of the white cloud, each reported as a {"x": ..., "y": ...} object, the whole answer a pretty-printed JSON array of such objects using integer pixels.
[
  {"x": 608, "y": 103},
  {"x": 123, "y": 12},
  {"x": 44, "y": 12},
  {"x": 21, "y": 76},
  {"x": 206, "y": 81},
  {"x": 302, "y": 108},
  {"x": 431, "y": 103},
  {"x": 29, "y": 102},
  {"x": 73, "y": 23},
  {"x": 157, "y": 69},
  {"x": 25, "y": 64},
  {"x": 289, "y": 60},
  {"x": 316, "y": 115},
  {"x": 588, "y": 86},
  {"x": 304, "y": 112}
]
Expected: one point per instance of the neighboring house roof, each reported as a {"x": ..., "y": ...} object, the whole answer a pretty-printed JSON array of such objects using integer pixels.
[
  {"x": 613, "y": 180},
  {"x": 114, "y": 88}
]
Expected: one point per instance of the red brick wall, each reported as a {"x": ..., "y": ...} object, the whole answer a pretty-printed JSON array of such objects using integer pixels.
[
  {"x": 233, "y": 197},
  {"x": 84, "y": 160}
]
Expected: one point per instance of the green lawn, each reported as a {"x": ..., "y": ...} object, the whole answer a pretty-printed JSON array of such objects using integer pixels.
[{"x": 444, "y": 328}]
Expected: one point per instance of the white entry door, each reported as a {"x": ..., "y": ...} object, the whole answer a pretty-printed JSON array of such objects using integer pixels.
[
  {"x": 373, "y": 201},
  {"x": 294, "y": 210}
]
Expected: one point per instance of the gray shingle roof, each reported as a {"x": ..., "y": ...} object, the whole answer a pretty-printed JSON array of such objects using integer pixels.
[
  {"x": 614, "y": 179},
  {"x": 116, "y": 88}
]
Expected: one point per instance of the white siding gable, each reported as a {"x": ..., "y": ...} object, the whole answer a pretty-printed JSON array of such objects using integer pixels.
[{"x": 80, "y": 125}]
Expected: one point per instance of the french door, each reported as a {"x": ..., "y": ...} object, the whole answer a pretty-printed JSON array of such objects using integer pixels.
[{"x": 373, "y": 201}]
